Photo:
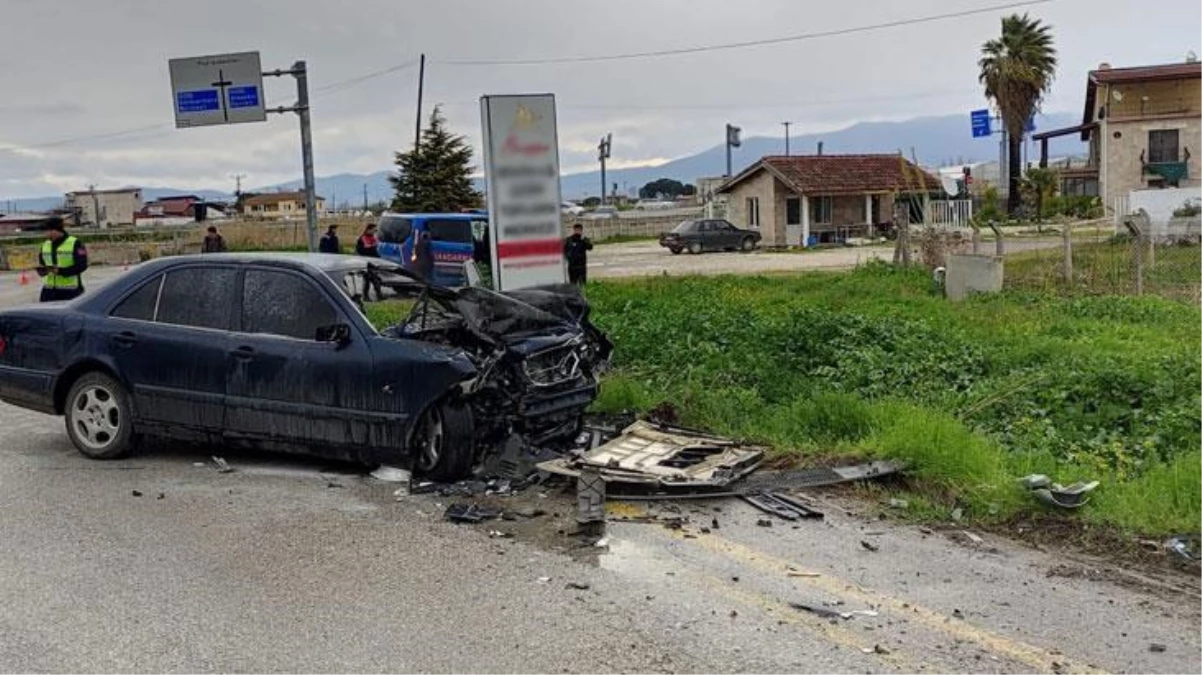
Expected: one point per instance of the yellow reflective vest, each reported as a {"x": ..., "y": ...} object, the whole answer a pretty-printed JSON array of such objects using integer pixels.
[{"x": 63, "y": 258}]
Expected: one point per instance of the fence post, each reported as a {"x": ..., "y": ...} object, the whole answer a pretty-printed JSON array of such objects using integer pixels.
[
  {"x": 1067, "y": 233},
  {"x": 997, "y": 232},
  {"x": 976, "y": 240},
  {"x": 1137, "y": 252}
]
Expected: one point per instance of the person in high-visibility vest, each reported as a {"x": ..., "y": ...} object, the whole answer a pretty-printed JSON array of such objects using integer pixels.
[{"x": 61, "y": 263}]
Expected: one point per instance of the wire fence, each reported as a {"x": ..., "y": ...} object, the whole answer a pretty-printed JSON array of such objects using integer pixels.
[{"x": 1100, "y": 260}]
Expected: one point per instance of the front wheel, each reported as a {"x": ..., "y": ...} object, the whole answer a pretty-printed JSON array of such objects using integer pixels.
[
  {"x": 695, "y": 247},
  {"x": 443, "y": 442},
  {"x": 748, "y": 243},
  {"x": 675, "y": 250},
  {"x": 99, "y": 421}
]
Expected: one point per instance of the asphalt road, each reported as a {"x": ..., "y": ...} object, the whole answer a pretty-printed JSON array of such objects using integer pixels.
[
  {"x": 631, "y": 259},
  {"x": 291, "y": 565}
]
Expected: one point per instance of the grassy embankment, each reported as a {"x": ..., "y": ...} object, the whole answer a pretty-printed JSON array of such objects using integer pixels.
[{"x": 873, "y": 364}]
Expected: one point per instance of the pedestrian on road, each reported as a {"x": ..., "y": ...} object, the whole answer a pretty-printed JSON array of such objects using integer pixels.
[
  {"x": 575, "y": 249},
  {"x": 214, "y": 242},
  {"x": 61, "y": 263},
  {"x": 329, "y": 241},
  {"x": 423, "y": 256},
  {"x": 368, "y": 245}
]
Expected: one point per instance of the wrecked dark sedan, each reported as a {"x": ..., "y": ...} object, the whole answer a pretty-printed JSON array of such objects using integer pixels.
[{"x": 275, "y": 351}]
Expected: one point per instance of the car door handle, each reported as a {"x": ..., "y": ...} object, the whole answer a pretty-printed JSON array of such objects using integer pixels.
[
  {"x": 125, "y": 339},
  {"x": 243, "y": 352}
]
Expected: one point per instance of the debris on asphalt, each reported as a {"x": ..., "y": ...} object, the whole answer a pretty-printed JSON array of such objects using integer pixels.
[
  {"x": 1054, "y": 494},
  {"x": 544, "y": 580},
  {"x": 590, "y": 496},
  {"x": 957, "y": 614},
  {"x": 401, "y": 493},
  {"x": 577, "y": 586},
  {"x": 763, "y": 522},
  {"x": 823, "y": 476},
  {"x": 136, "y": 493},
  {"x": 331, "y": 484},
  {"x": 162, "y": 495},
  {"x": 899, "y": 503},
  {"x": 819, "y": 611},
  {"x": 198, "y": 464},
  {"x": 391, "y": 474},
  {"x": 972, "y": 538},
  {"x": 1157, "y": 647},
  {"x": 714, "y": 524},
  {"x": 659, "y": 455},
  {"x": 868, "y": 545},
  {"x": 497, "y": 534},
  {"x": 879, "y": 649},
  {"x": 470, "y": 513},
  {"x": 795, "y": 573},
  {"x": 222, "y": 465},
  {"x": 1185, "y": 546},
  {"x": 779, "y": 505}
]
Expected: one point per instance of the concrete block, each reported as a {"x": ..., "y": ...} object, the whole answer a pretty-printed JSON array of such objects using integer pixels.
[{"x": 972, "y": 274}]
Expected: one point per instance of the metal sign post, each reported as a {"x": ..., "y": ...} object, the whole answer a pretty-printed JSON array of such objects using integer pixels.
[{"x": 228, "y": 89}]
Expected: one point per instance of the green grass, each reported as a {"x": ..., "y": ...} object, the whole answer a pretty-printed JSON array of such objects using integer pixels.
[
  {"x": 1108, "y": 268},
  {"x": 389, "y": 312},
  {"x": 873, "y": 363}
]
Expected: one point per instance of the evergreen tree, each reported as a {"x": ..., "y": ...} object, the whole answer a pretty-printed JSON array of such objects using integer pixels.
[{"x": 435, "y": 176}]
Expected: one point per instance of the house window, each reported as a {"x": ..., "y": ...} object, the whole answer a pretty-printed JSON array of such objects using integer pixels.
[
  {"x": 793, "y": 211},
  {"x": 822, "y": 207},
  {"x": 753, "y": 212},
  {"x": 1162, "y": 146}
]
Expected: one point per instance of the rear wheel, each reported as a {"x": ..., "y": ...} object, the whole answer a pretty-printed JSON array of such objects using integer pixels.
[
  {"x": 98, "y": 417},
  {"x": 443, "y": 442},
  {"x": 695, "y": 247},
  {"x": 748, "y": 243}
]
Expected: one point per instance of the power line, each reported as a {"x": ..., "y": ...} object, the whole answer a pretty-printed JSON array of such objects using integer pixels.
[
  {"x": 351, "y": 82},
  {"x": 82, "y": 139},
  {"x": 743, "y": 106},
  {"x": 741, "y": 45}
]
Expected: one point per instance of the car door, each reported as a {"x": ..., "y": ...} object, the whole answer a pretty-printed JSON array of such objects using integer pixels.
[
  {"x": 705, "y": 234},
  {"x": 282, "y": 383},
  {"x": 168, "y": 339},
  {"x": 724, "y": 234}
]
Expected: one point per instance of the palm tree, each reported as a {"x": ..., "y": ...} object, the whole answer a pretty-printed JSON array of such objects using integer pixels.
[{"x": 1017, "y": 70}]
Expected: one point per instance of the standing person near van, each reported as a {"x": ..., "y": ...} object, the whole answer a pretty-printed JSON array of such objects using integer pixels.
[
  {"x": 423, "y": 256},
  {"x": 368, "y": 245},
  {"x": 329, "y": 241},
  {"x": 213, "y": 242}
]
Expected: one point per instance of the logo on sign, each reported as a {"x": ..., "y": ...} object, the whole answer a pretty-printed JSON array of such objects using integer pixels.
[{"x": 523, "y": 120}]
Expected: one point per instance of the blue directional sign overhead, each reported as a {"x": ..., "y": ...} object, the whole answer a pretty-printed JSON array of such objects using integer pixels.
[
  {"x": 981, "y": 123},
  {"x": 218, "y": 89}
]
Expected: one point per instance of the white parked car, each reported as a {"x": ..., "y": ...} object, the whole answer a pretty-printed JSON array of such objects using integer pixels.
[
  {"x": 601, "y": 213},
  {"x": 570, "y": 209}
]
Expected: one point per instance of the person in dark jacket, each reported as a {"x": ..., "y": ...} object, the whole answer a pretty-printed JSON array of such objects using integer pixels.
[
  {"x": 61, "y": 263},
  {"x": 368, "y": 245},
  {"x": 575, "y": 249},
  {"x": 214, "y": 242},
  {"x": 423, "y": 256},
  {"x": 329, "y": 241}
]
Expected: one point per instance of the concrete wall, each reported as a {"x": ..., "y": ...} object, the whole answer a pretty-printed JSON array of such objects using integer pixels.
[
  {"x": 967, "y": 274},
  {"x": 117, "y": 208},
  {"x": 1160, "y": 205}
]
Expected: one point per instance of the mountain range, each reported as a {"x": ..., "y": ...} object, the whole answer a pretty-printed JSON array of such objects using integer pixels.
[{"x": 936, "y": 141}]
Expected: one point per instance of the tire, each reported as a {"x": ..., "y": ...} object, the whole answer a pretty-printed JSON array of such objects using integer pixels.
[
  {"x": 695, "y": 247},
  {"x": 99, "y": 417},
  {"x": 748, "y": 244},
  {"x": 443, "y": 442},
  {"x": 675, "y": 250}
]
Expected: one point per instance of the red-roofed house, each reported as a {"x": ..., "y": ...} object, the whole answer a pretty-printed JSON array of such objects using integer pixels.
[
  {"x": 1144, "y": 127},
  {"x": 828, "y": 197}
]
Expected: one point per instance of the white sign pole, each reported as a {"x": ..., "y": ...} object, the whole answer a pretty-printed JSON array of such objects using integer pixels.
[{"x": 521, "y": 167}]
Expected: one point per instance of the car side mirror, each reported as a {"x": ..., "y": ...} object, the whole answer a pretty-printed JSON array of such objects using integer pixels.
[{"x": 338, "y": 333}]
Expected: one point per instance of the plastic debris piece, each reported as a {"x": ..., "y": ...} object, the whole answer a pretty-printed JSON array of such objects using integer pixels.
[
  {"x": 391, "y": 474},
  {"x": 869, "y": 546},
  {"x": 470, "y": 513},
  {"x": 222, "y": 465}
]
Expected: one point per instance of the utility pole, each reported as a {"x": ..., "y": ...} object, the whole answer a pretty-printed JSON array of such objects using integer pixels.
[
  {"x": 365, "y": 196},
  {"x": 603, "y": 152},
  {"x": 238, "y": 183},
  {"x": 421, "y": 81},
  {"x": 300, "y": 73},
  {"x": 95, "y": 205},
  {"x": 732, "y": 141},
  {"x": 786, "y": 124}
]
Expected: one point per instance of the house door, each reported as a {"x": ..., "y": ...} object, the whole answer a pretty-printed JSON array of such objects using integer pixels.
[{"x": 793, "y": 221}]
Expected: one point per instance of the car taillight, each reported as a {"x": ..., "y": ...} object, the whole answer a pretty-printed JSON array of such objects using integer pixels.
[{"x": 3, "y": 345}]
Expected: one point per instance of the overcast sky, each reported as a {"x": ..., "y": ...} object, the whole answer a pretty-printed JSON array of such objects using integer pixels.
[{"x": 82, "y": 68}]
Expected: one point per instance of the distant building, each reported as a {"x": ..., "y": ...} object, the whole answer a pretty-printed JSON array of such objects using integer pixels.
[
  {"x": 280, "y": 205},
  {"x": 827, "y": 197},
  {"x": 178, "y": 210},
  {"x": 1144, "y": 127},
  {"x": 105, "y": 208},
  {"x": 22, "y": 222}
]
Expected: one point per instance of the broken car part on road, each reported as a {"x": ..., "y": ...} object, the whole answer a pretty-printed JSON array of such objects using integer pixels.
[
  {"x": 780, "y": 505},
  {"x": 1054, "y": 494}
]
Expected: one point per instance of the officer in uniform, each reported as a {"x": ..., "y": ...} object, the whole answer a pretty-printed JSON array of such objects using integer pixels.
[
  {"x": 575, "y": 249},
  {"x": 61, "y": 264}
]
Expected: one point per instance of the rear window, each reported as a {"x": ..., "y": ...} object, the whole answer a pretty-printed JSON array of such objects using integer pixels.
[
  {"x": 686, "y": 227},
  {"x": 454, "y": 231},
  {"x": 141, "y": 303},
  {"x": 198, "y": 296},
  {"x": 395, "y": 229}
]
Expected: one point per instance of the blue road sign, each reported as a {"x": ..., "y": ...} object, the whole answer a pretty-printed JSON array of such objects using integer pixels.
[
  {"x": 980, "y": 123},
  {"x": 197, "y": 101},
  {"x": 244, "y": 97}
]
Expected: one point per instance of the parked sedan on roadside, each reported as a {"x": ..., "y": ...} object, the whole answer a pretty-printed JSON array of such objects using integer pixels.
[
  {"x": 274, "y": 351},
  {"x": 696, "y": 236}
]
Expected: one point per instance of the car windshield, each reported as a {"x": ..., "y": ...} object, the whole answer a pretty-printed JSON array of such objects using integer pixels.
[{"x": 685, "y": 227}]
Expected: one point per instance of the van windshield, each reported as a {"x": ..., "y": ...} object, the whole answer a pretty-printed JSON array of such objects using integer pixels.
[{"x": 395, "y": 229}]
